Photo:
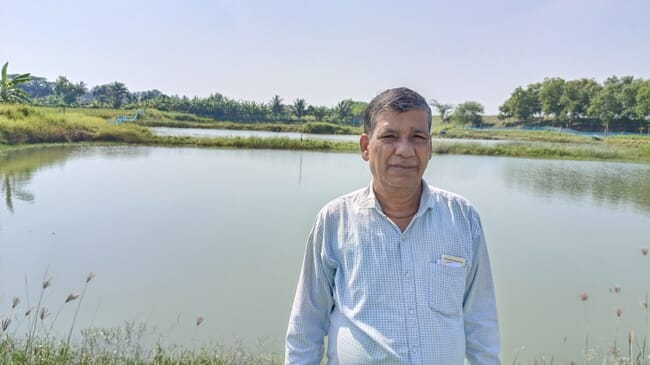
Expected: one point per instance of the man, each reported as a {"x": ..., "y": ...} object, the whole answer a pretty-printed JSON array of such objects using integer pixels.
[{"x": 398, "y": 272}]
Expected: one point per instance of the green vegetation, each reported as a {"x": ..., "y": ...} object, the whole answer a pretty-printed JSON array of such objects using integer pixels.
[
  {"x": 621, "y": 104},
  {"x": 64, "y": 93},
  {"x": 9, "y": 90},
  {"x": 618, "y": 104},
  {"x": 36, "y": 125},
  {"x": 26, "y": 338},
  {"x": 547, "y": 151},
  {"x": 256, "y": 143},
  {"x": 22, "y": 125}
]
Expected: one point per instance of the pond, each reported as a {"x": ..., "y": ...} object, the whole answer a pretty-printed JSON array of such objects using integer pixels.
[{"x": 177, "y": 233}]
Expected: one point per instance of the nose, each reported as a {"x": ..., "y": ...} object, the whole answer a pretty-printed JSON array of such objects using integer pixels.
[{"x": 404, "y": 148}]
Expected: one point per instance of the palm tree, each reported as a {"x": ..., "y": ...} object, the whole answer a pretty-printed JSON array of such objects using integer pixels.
[
  {"x": 276, "y": 106},
  {"x": 9, "y": 93},
  {"x": 344, "y": 110},
  {"x": 118, "y": 93},
  {"x": 319, "y": 112},
  {"x": 299, "y": 108}
]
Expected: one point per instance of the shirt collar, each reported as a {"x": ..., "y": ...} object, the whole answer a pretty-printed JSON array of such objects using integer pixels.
[{"x": 367, "y": 199}]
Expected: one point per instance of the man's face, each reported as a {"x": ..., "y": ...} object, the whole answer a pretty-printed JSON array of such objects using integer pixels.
[{"x": 398, "y": 149}]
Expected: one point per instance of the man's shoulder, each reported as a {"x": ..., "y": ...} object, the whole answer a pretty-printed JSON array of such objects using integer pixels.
[
  {"x": 352, "y": 199},
  {"x": 445, "y": 197}
]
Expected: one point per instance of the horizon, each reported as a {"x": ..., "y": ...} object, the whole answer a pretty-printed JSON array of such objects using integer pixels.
[{"x": 328, "y": 52}]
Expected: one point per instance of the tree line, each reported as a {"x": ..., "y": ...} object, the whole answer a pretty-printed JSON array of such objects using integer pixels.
[
  {"x": 65, "y": 93},
  {"x": 621, "y": 104}
]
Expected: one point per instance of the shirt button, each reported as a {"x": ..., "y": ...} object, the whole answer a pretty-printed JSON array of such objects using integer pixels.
[{"x": 403, "y": 238}]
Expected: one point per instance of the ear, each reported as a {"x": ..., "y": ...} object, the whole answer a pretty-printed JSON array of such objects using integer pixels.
[{"x": 364, "y": 141}]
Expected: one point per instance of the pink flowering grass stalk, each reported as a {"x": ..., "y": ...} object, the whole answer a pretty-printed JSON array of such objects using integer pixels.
[
  {"x": 89, "y": 278},
  {"x": 38, "y": 312}
]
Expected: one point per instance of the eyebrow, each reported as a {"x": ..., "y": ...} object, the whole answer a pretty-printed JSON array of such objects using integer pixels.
[
  {"x": 413, "y": 130},
  {"x": 392, "y": 130}
]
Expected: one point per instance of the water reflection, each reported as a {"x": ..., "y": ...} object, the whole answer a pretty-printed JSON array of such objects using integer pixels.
[
  {"x": 18, "y": 167},
  {"x": 609, "y": 183}
]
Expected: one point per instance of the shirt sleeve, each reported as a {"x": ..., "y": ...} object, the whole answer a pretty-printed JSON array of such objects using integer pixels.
[
  {"x": 313, "y": 302},
  {"x": 479, "y": 306}
]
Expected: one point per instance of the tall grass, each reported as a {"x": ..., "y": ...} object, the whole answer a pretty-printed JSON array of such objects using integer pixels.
[
  {"x": 281, "y": 143},
  {"x": 36, "y": 345},
  {"x": 26, "y": 125},
  {"x": 543, "y": 150}
]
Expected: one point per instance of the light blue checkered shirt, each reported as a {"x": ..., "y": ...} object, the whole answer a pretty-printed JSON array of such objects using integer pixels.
[{"x": 383, "y": 296}]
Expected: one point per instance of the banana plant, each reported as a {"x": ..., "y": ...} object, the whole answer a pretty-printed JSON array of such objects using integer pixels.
[{"x": 9, "y": 93}]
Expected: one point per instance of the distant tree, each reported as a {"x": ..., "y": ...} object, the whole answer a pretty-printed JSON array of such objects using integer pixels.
[
  {"x": 358, "y": 107},
  {"x": 319, "y": 112},
  {"x": 299, "y": 108},
  {"x": 627, "y": 96},
  {"x": 643, "y": 102},
  {"x": 550, "y": 97},
  {"x": 67, "y": 91},
  {"x": 37, "y": 87},
  {"x": 118, "y": 93},
  {"x": 277, "y": 108},
  {"x": 9, "y": 92},
  {"x": 102, "y": 94},
  {"x": 469, "y": 112},
  {"x": 607, "y": 105},
  {"x": 522, "y": 105},
  {"x": 144, "y": 96},
  {"x": 444, "y": 110},
  {"x": 576, "y": 98},
  {"x": 343, "y": 111}
]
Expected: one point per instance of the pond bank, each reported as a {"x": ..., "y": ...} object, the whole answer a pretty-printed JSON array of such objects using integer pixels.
[{"x": 23, "y": 125}]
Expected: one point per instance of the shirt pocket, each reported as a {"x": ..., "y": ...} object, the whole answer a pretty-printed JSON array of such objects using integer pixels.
[{"x": 447, "y": 288}]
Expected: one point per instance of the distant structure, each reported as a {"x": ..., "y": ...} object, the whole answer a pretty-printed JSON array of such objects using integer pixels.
[{"x": 123, "y": 118}]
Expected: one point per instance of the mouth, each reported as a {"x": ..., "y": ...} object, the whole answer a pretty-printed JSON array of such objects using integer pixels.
[{"x": 404, "y": 167}]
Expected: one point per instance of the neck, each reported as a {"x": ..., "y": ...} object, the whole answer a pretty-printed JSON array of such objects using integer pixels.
[{"x": 399, "y": 204}]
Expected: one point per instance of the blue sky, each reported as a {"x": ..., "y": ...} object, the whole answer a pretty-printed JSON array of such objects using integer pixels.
[{"x": 327, "y": 51}]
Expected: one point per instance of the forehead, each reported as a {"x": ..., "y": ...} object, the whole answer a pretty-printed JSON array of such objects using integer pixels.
[{"x": 409, "y": 120}]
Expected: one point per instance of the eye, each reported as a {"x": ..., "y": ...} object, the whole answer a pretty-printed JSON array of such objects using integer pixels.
[{"x": 387, "y": 136}]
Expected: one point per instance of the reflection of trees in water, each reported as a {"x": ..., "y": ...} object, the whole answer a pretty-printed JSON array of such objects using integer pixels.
[
  {"x": 604, "y": 182},
  {"x": 18, "y": 167},
  {"x": 12, "y": 186}
]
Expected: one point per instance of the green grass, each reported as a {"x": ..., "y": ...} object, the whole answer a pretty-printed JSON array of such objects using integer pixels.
[
  {"x": 546, "y": 150},
  {"x": 105, "y": 349},
  {"x": 308, "y": 127},
  {"x": 26, "y": 338},
  {"x": 281, "y": 143},
  {"x": 25, "y": 125}
]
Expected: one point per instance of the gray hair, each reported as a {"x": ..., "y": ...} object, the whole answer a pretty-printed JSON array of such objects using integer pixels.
[{"x": 399, "y": 100}]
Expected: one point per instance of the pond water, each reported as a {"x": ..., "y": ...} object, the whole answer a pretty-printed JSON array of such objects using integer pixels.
[{"x": 177, "y": 233}]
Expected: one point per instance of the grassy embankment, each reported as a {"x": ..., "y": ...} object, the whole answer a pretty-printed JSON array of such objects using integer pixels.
[{"x": 20, "y": 125}]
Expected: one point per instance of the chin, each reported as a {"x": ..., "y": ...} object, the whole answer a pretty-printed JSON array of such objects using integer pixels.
[{"x": 404, "y": 183}]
